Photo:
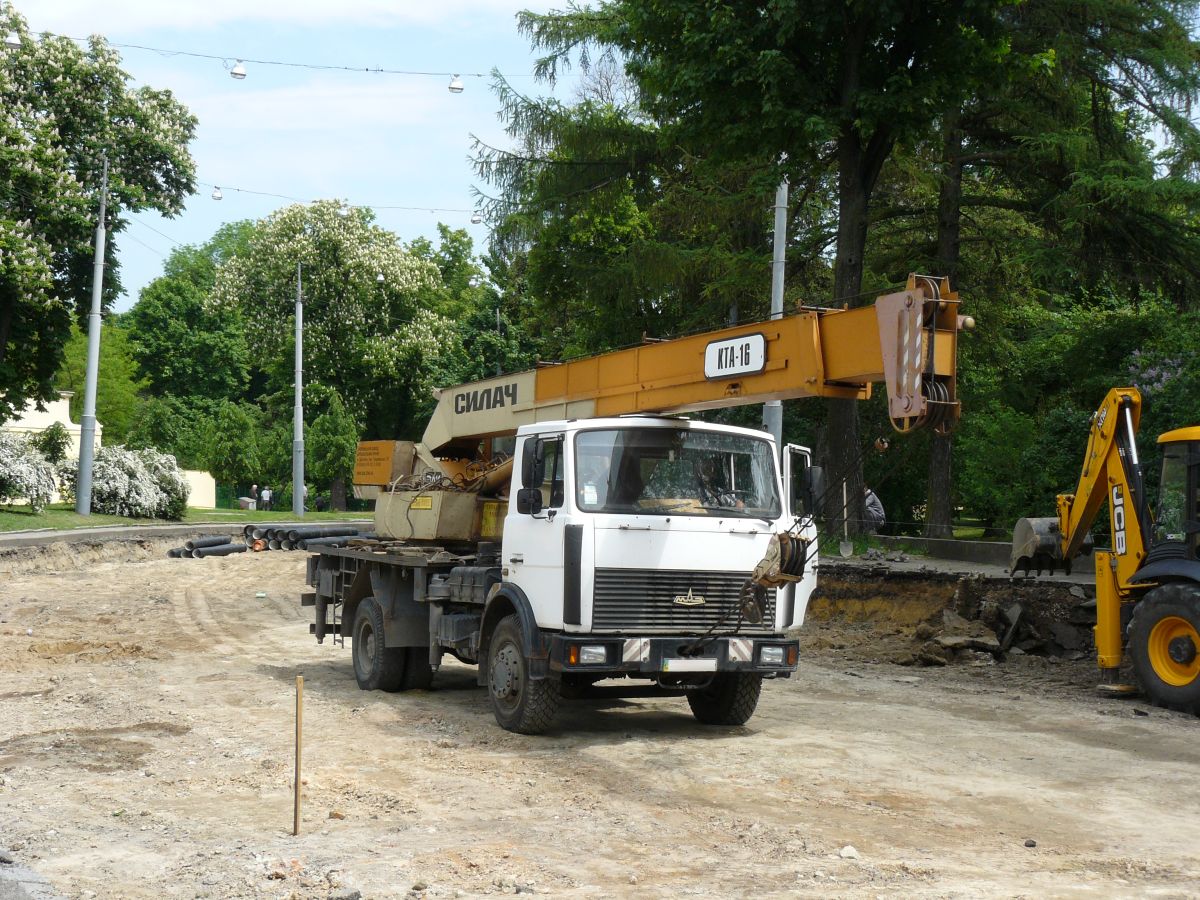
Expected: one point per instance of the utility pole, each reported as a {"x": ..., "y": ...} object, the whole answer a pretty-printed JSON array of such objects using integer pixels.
[
  {"x": 298, "y": 420},
  {"x": 87, "y": 424},
  {"x": 773, "y": 409}
]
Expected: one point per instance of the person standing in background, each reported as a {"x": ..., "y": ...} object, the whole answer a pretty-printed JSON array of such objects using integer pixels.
[{"x": 875, "y": 516}]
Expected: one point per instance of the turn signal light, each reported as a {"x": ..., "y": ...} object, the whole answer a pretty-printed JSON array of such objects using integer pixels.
[
  {"x": 792, "y": 654},
  {"x": 573, "y": 655}
]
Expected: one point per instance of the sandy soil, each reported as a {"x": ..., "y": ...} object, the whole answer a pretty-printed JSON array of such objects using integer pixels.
[{"x": 146, "y": 728}]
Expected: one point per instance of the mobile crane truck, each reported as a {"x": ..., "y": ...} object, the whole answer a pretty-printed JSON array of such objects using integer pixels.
[
  {"x": 1148, "y": 583},
  {"x": 635, "y": 545}
]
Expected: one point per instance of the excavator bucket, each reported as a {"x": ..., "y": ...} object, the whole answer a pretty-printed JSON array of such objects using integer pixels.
[{"x": 1037, "y": 544}]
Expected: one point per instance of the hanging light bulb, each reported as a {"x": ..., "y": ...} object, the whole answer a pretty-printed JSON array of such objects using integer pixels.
[
  {"x": 216, "y": 194},
  {"x": 476, "y": 218},
  {"x": 238, "y": 71},
  {"x": 456, "y": 85}
]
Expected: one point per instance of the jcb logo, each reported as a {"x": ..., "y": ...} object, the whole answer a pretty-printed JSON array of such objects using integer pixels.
[{"x": 1118, "y": 514}]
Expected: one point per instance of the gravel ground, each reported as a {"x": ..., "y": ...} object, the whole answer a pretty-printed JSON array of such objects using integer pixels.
[{"x": 146, "y": 729}]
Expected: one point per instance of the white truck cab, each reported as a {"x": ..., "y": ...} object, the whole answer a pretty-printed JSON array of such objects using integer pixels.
[{"x": 646, "y": 525}]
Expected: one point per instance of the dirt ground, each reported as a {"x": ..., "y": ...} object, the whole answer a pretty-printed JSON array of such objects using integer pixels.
[{"x": 146, "y": 729}]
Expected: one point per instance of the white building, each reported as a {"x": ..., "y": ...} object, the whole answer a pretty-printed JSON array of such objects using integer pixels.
[{"x": 32, "y": 421}]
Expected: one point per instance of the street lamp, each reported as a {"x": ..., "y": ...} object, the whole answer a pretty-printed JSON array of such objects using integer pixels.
[
  {"x": 455, "y": 86},
  {"x": 298, "y": 411},
  {"x": 238, "y": 72},
  {"x": 87, "y": 422},
  {"x": 216, "y": 194}
]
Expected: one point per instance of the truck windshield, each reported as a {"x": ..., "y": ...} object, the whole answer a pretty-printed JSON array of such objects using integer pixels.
[{"x": 675, "y": 471}]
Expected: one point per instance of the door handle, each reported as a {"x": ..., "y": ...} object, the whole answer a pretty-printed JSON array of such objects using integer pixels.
[
  {"x": 518, "y": 558},
  {"x": 634, "y": 527}
]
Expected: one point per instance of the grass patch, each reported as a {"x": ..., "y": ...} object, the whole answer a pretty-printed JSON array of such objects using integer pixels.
[{"x": 62, "y": 517}]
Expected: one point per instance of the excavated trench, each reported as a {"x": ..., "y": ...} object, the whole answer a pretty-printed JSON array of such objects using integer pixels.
[
  {"x": 931, "y": 618},
  {"x": 871, "y": 612}
]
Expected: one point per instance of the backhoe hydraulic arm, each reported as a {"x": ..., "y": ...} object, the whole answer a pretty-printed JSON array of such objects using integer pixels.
[{"x": 1111, "y": 471}]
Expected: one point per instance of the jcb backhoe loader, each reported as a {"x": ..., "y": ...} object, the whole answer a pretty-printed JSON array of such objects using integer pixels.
[{"x": 1148, "y": 584}]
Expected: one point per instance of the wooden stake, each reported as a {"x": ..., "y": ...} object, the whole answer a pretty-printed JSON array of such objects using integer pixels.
[{"x": 299, "y": 734}]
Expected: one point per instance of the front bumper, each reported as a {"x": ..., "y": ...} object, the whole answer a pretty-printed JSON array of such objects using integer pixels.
[{"x": 655, "y": 656}]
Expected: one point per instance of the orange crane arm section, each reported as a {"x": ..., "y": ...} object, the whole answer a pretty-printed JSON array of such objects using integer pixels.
[{"x": 906, "y": 340}]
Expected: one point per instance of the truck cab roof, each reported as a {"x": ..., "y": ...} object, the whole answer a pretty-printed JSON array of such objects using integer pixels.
[{"x": 638, "y": 421}]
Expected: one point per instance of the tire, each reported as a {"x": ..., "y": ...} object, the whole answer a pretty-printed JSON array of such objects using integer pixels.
[
  {"x": 418, "y": 673},
  {"x": 520, "y": 703},
  {"x": 1164, "y": 644},
  {"x": 729, "y": 700},
  {"x": 376, "y": 667}
]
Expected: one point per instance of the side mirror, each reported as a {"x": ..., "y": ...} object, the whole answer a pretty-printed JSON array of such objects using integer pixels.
[
  {"x": 529, "y": 501},
  {"x": 813, "y": 488},
  {"x": 533, "y": 463}
]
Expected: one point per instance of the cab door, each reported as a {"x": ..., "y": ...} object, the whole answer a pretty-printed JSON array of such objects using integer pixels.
[
  {"x": 801, "y": 481},
  {"x": 534, "y": 542}
]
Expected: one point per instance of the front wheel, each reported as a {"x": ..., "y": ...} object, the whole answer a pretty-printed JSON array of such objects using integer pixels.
[
  {"x": 730, "y": 699},
  {"x": 520, "y": 703},
  {"x": 1164, "y": 644},
  {"x": 376, "y": 667}
]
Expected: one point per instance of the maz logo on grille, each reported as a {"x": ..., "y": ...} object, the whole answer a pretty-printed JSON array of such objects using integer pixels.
[{"x": 689, "y": 599}]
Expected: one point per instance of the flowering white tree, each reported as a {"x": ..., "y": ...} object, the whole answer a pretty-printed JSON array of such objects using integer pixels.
[
  {"x": 366, "y": 334},
  {"x": 24, "y": 473},
  {"x": 62, "y": 108},
  {"x": 140, "y": 484}
]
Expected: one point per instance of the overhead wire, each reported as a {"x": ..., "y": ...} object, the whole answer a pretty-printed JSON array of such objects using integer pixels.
[
  {"x": 224, "y": 58},
  {"x": 238, "y": 190}
]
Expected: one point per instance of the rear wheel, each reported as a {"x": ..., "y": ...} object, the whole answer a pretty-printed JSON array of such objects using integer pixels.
[
  {"x": 521, "y": 704},
  {"x": 1164, "y": 644},
  {"x": 730, "y": 699},
  {"x": 376, "y": 667}
]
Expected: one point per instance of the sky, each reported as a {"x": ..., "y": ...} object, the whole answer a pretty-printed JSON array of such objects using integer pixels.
[{"x": 370, "y": 139}]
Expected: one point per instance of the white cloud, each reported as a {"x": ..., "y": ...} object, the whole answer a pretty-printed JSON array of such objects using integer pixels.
[{"x": 75, "y": 16}]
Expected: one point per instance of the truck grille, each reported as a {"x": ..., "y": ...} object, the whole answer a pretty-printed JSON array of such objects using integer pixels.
[{"x": 643, "y": 601}]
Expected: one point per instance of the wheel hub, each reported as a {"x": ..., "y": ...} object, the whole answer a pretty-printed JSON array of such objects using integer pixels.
[
  {"x": 1172, "y": 650},
  {"x": 1182, "y": 650},
  {"x": 504, "y": 673},
  {"x": 365, "y": 646}
]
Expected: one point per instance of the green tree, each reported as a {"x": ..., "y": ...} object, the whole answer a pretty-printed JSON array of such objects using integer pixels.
[
  {"x": 62, "y": 108},
  {"x": 619, "y": 230},
  {"x": 232, "y": 440},
  {"x": 183, "y": 345},
  {"x": 1063, "y": 144},
  {"x": 117, "y": 383},
  {"x": 368, "y": 338},
  {"x": 332, "y": 441},
  {"x": 52, "y": 443},
  {"x": 174, "y": 425},
  {"x": 828, "y": 84}
]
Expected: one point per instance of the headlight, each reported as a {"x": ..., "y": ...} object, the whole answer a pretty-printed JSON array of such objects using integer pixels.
[
  {"x": 592, "y": 655},
  {"x": 771, "y": 656}
]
